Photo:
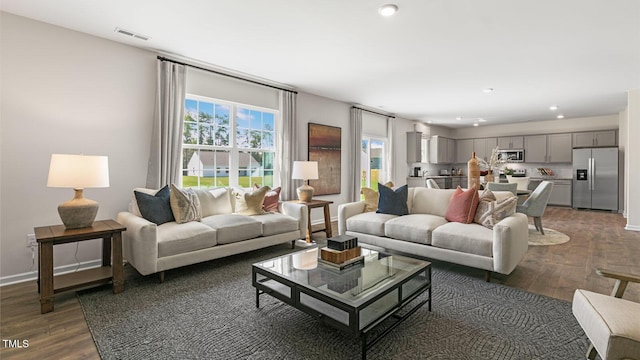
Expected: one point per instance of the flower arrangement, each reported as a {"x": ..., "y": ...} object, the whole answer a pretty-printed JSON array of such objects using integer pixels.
[{"x": 494, "y": 161}]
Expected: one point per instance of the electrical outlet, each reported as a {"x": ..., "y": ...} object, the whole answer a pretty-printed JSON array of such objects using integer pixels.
[{"x": 31, "y": 241}]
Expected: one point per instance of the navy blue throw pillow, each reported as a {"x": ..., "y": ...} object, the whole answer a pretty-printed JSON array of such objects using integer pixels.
[
  {"x": 393, "y": 202},
  {"x": 155, "y": 208}
]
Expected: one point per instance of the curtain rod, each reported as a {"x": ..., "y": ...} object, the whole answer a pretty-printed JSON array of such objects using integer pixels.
[
  {"x": 161, "y": 58},
  {"x": 373, "y": 112}
]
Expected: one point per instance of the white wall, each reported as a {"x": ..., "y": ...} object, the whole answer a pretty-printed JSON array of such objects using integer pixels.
[
  {"x": 632, "y": 159},
  {"x": 325, "y": 111},
  {"x": 67, "y": 92},
  {"x": 623, "y": 139}
]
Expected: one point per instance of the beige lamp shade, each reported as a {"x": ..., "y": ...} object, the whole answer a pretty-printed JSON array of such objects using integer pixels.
[
  {"x": 305, "y": 170},
  {"x": 78, "y": 172}
]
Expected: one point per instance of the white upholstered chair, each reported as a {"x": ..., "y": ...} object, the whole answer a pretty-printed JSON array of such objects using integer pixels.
[
  {"x": 493, "y": 186},
  {"x": 536, "y": 203},
  {"x": 611, "y": 323}
]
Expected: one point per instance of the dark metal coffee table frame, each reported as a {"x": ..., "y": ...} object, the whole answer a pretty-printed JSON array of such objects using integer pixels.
[{"x": 279, "y": 285}]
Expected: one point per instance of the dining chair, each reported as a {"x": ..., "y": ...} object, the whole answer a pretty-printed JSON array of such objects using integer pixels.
[
  {"x": 535, "y": 205},
  {"x": 432, "y": 184}
]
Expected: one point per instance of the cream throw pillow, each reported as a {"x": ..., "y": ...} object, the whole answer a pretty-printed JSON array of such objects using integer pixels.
[
  {"x": 185, "y": 205},
  {"x": 490, "y": 211},
  {"x": 215, "y": 201},
  {"x": 250, "y": 203}
]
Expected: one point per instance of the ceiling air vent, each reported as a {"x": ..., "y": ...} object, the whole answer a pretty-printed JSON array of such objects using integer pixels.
[{"x": 131, "y": 33}]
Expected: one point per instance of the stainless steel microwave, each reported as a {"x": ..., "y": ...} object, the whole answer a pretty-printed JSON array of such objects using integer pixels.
[{"x": 512, "y": 156}]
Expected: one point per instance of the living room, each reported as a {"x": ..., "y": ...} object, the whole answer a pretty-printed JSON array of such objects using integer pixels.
[{"x": 65, "y": 91}]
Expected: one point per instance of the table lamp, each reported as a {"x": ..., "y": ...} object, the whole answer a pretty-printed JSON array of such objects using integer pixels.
[
  {"x": 78, "y": 172},
  {"x": 305, "y": 170}
]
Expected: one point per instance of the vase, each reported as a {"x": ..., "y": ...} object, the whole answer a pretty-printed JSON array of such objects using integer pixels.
[
  {"x": 489, "y": 177},
  {"x": 473, "y": 172}
]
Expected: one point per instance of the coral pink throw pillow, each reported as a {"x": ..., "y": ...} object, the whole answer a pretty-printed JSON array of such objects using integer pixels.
[
  {"x": 462, "y": 206},
  {"x": 271, "y": 200}
]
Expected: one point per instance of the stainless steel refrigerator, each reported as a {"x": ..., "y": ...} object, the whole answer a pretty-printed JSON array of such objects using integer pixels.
[{"x": 595, "y": 178}]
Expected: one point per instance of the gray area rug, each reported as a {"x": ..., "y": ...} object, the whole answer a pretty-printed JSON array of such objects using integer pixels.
[{"x": 207, "y": 311}]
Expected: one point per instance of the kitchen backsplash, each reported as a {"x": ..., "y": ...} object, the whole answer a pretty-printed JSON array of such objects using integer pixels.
[{"x": 560, "y": 171}]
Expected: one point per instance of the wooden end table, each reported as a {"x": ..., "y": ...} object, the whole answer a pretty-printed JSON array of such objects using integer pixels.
[
  {"x": 327, "y": 215},
  {"x": 111, "y": 233}
]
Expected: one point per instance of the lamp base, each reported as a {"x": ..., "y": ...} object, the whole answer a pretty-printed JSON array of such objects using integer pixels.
[
  {"x": 78, "y": 212},
  {"x": 305, "y": 193}
]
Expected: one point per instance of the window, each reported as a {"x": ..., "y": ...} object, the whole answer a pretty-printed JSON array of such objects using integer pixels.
[
  {"x": 372, "y": 162},
  {"x": 227, "y": 144}
]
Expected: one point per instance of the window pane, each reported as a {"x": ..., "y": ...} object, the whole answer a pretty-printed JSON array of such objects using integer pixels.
[
  {"x": 256, "y": 119},
  {"x": 255, "y": 139},
  {"x": 242, "y": 118},
  {"x": 206, "y": 112},
  {"x": 267, "y": 160},
  {"x": 268, "y": 178},
  {"x": 222, "y": 115},
  {"x": 268, "y": 122},
  {"x": 190, "y": 110},
  {"x": 267, "y": 140},
  {"x": 221, "y": 136},
  {"x": 242, "y": 138}
]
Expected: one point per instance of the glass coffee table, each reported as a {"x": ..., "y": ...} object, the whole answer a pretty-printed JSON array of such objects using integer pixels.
[{"x": 356, "y": 300}]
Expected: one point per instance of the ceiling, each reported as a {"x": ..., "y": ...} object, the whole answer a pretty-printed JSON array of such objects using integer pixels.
[{"x": 428, "y": 62}]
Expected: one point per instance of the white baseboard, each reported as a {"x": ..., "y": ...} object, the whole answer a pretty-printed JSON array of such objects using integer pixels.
[
  {"x": 64, "y": 269},
  {"x": 632, "y": 227}
]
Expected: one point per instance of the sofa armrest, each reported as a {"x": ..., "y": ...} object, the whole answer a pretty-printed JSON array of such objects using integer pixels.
[
  {"x": 298, "y": 212},
  {"x": 140, "y": 243},
  {"x": 510, "y": 242},
  {"x": 346, "y": 211}
]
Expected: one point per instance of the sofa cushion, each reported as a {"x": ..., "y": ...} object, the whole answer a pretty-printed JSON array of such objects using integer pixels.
[
  {"x": 271, "y": 200},
  {"x": 133, "y": 206},
  {"x": 468, "y": 238},
  {"x": 233, "y": 227},
  {"x": 391, "y": 201},
  {"x": 276, "y": 223},
  {"x": 415, "y": 228},
  {"x": 214, "y": 201},
  {"x": 174, "y": 238},
  {"x": 462, "y": 206},
  {"x": 370, "y": 199},
  {"x": 430, "y": 201},
  {"x": 185, "y": 205},
  {"x": 155, "y": 208},
  {"x": 369, "y": 223}
]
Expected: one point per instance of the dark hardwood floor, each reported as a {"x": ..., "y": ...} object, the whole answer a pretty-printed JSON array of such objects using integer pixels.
[{"x": 598, "y": 240}]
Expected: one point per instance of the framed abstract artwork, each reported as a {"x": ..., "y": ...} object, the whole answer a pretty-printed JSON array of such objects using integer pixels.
[{"x": 325, "y": 148}]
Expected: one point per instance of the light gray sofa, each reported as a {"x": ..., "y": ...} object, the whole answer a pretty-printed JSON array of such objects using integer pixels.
[
  {"x": 152, "y": 248},
  {"x": 426, "y": 233}
]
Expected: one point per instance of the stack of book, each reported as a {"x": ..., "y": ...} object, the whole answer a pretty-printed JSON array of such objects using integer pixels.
[{"x": 341, "y": 252}]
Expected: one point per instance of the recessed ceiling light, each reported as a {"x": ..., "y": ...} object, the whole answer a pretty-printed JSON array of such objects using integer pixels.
[
  {"x": 429, "y": 122},
  {"x": 487, "y": 90},
  {"x": 553, "y": 107},
  {"x": 475, "y": 124},
  {"x": 458, "y": 118},
  {"x": 388, "y": 9},
  {"x": 560, "y": 116},
  {"x": 481, "y": 120}
]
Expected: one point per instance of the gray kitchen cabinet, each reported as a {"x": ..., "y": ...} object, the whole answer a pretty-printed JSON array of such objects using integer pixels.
[
  {"x": 560, "y": 193},
  {"x": 464, "y": 149},
  {"x": 483, "y": 147},
  {"x": 416, "y": 182},
  {"x": 559, "y": 149},
  {"x": 442, "y": 150},
  {"x": 511, "y": 142},
  {"x": 414, "y": 147},
  {"x": 553, "y": 148},
  {"x": 594, "y": 138}
]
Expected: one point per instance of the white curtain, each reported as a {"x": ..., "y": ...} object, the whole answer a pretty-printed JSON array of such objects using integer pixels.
[
  {"x": 287, "y": 142},
  {"x": 389, "y": 158},
  {"x": 355, "y": 177},
  {"x": 166, "y": 141}
]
